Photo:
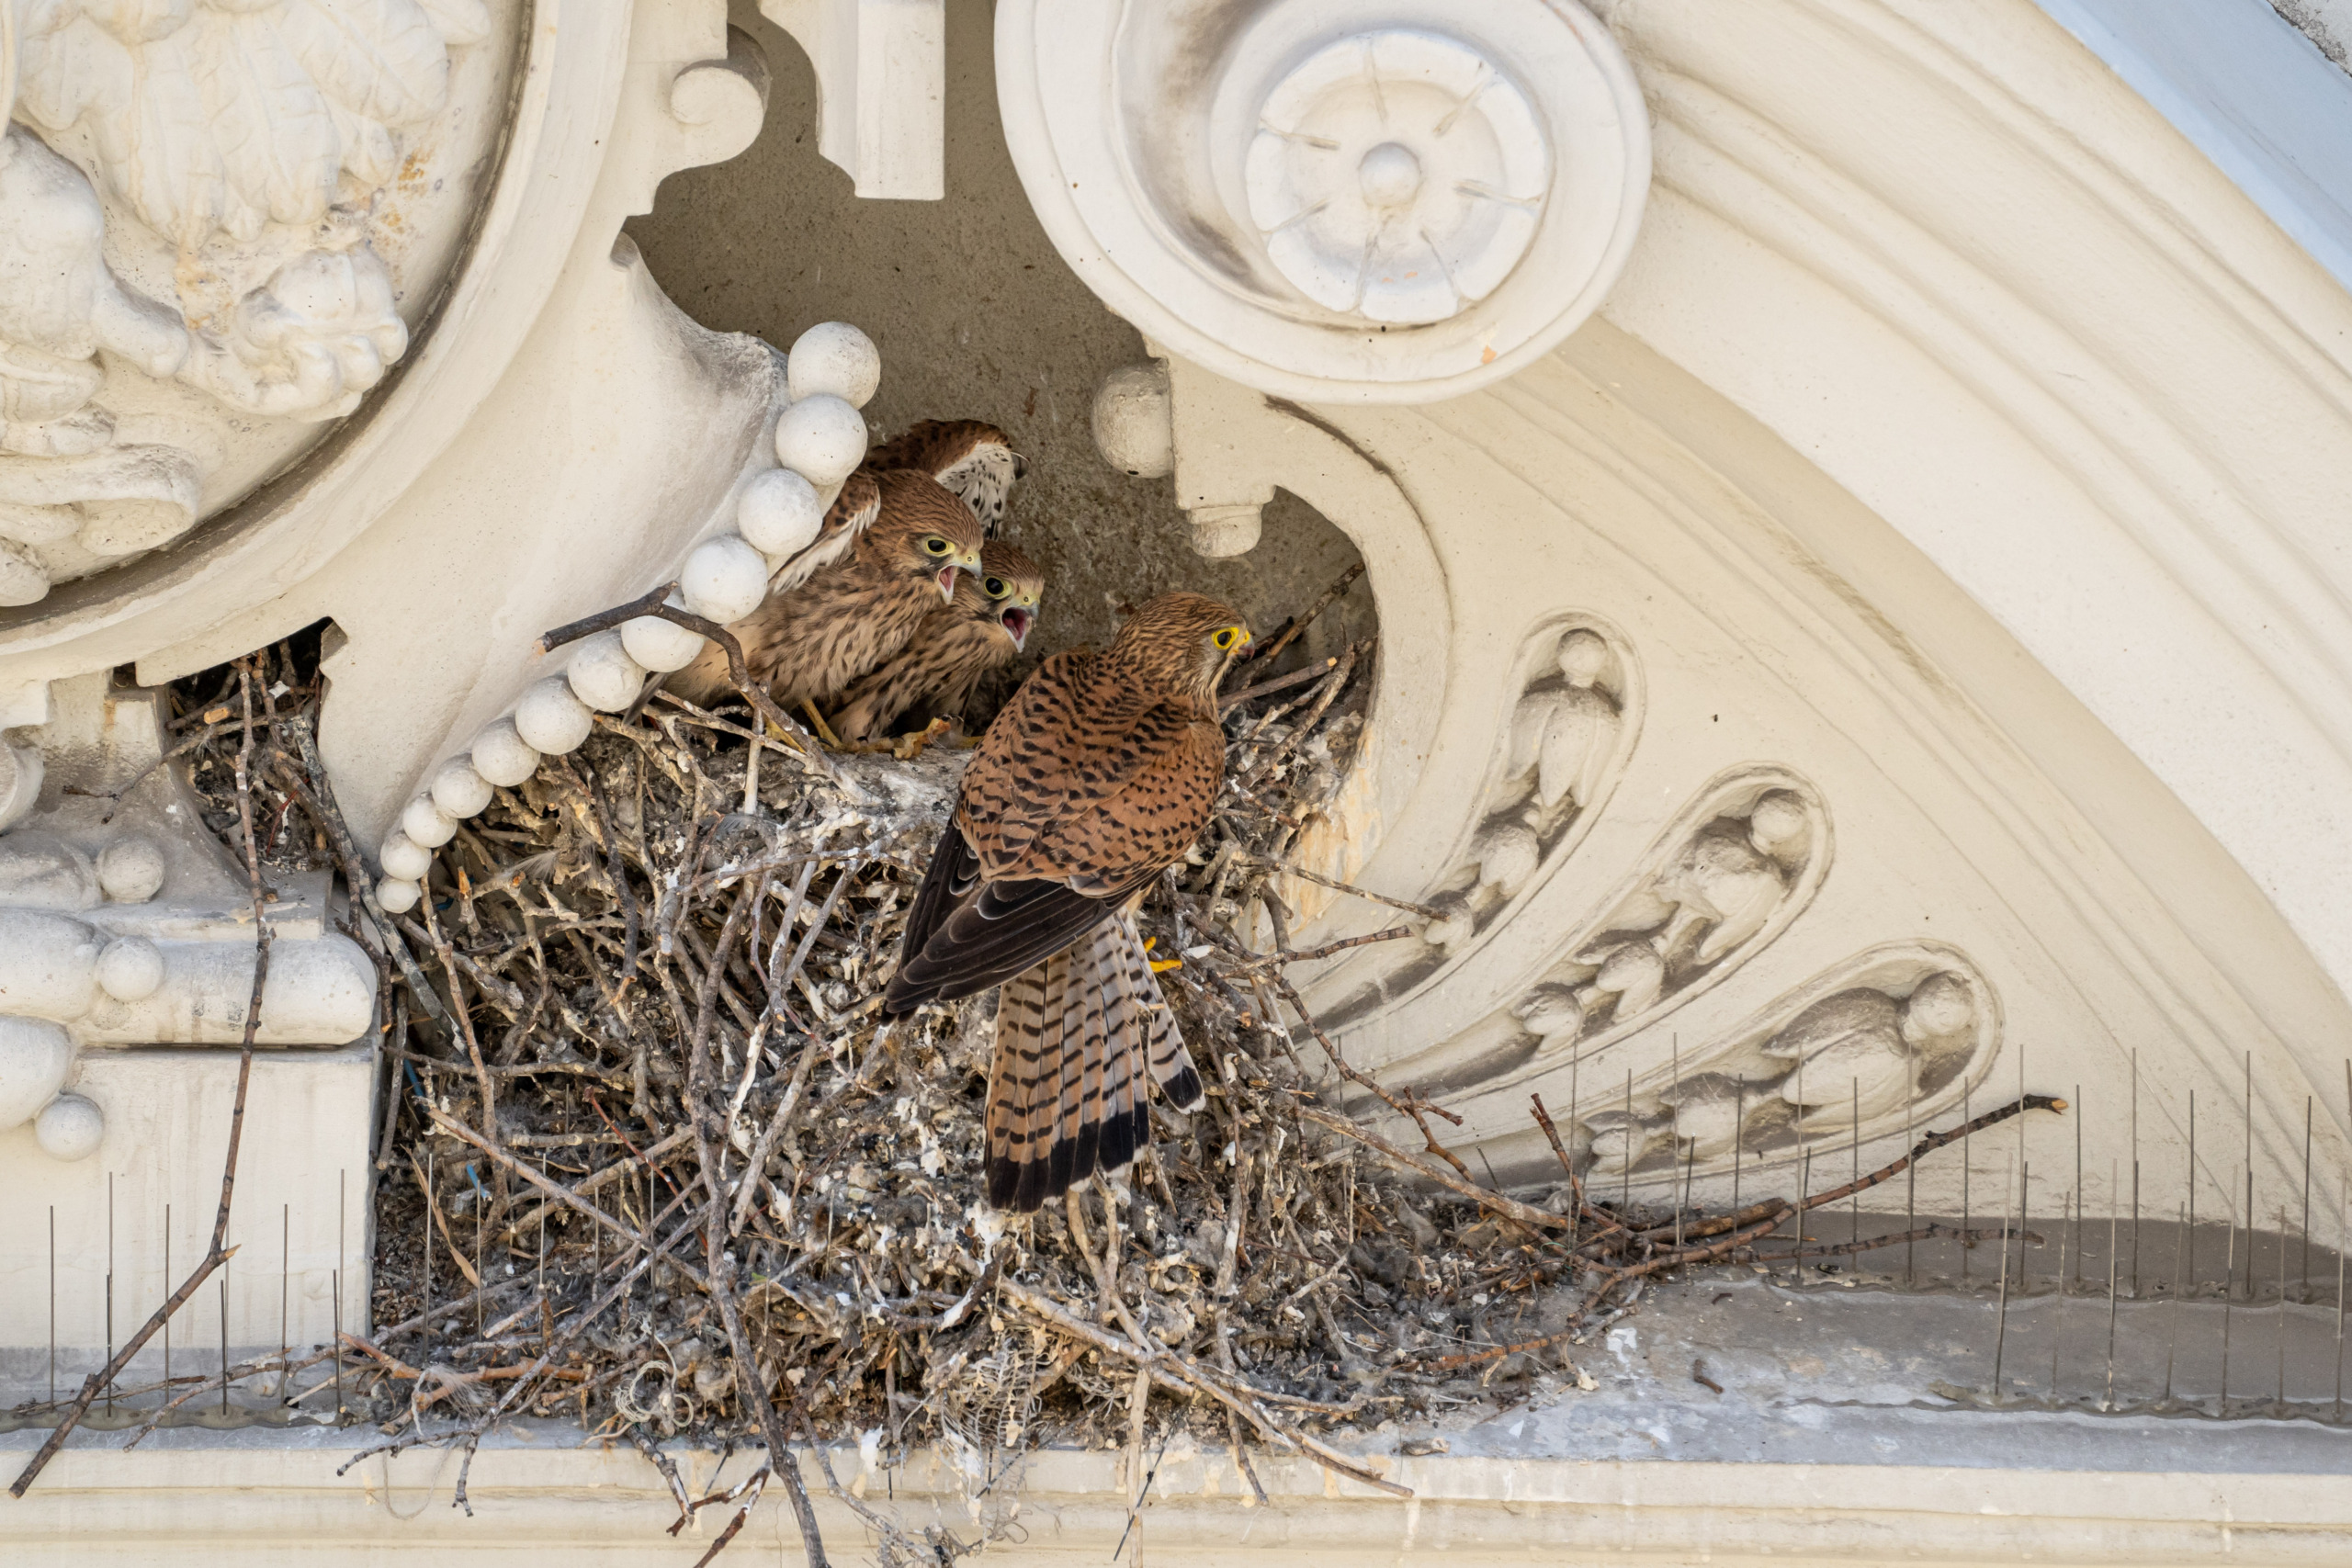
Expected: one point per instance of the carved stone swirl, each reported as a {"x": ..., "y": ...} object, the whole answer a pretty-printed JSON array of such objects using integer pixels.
[
  {"x": 1733, "y": 869},
  {"x": 1883, "y": 1041}
]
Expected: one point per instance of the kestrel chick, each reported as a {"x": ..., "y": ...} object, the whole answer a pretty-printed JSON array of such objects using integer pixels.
[
  {"x": 973, "y": 459},
  {"x": 1095, "y": 778},
  {"x": 851, "y": 513},
  {"x": 806, "y": 644},
  {"x": 955, "y": 647}
]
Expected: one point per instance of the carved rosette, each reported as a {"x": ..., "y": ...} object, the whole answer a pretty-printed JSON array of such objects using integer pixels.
[
  {"x": 221, "y": 225},
  {"x": 1332, "y": 203}
]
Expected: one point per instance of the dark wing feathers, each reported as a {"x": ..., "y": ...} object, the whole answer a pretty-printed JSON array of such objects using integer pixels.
[
  {"x": 1086, "y": 787},
  {"x": 991, "y": 937}
]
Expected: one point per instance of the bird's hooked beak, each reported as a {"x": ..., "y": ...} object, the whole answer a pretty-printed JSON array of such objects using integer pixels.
[
  {"x": 966, "y": 560},
  {"x": 1016, "y": 620}
]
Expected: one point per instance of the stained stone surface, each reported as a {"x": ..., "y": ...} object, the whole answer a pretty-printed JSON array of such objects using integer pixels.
[{"x": 1855, "y": 1374}]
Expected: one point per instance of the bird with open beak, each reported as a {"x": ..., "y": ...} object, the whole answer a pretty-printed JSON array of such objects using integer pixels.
[
  {"x": 957, "y": 646},
  {"x": 806, "y": 645}
]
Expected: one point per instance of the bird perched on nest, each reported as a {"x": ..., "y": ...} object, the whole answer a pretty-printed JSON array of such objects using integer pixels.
[
  {"x": 1095, "y": 778},
  {"x": 973, "y": 459},
  {"x": 806, "y": 643},
  {"x": 851, "y": 513},
  {"x": 983, "y": 629}
]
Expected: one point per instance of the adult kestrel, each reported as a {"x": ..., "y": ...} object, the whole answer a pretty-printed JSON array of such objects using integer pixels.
[
  {"x": 1095, "y": 778},
  {"x": 957, "y": 645},
  {"x": 806, "y": 644},
  {"x": 973, "y": 459}
]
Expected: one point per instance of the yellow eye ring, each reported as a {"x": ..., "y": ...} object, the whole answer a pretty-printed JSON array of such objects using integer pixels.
[
  {"x": 937, "y": 545},
  {"x": 1226, "y": 637}
]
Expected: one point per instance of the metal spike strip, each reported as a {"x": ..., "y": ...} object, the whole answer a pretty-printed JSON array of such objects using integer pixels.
[
  {"x": 2001, "y": 1313},
  {"x": 2113, "y": 1256},
  {"x": 2135, "y": 1170},
  {"x": 2229, "y": 1274},
  {"x": 2179, "y": 1287}
]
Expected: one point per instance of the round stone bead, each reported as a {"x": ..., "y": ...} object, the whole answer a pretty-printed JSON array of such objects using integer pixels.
[
  {"x": 130, "y": 871},
  {"x": 835, "y": 359},
  {"x": 780, "y": 512},
  {"x": 659, "y": 645},
  {"x": 403, "y": 857},
  {"x": 129, "y": 968},
  {"x": 70, "y": 1128},
  {"x": 501, "y": 756},
  {"x": 426, "y": 823},
  {"x": 602, "y": 673},
  {"x": 550, "y": 718},
  {"x": 459, "y": 789},
  {"x": 724, "y": 579},
  {"x": 822, "y": 438}
]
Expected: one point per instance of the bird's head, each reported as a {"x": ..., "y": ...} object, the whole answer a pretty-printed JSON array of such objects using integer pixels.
[
  {"x": 1186, "y": 641},
  {"x": 1010, "y": 588},
  {"x": 923, "y": 531}
]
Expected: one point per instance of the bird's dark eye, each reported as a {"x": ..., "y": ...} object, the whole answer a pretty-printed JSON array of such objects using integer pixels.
[
  {"x": 937, "y": 545},
  {"x": 998, "y": 588}
]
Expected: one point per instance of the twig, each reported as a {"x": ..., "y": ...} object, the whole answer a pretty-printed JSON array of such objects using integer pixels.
[
  {"x": 1510, "y": 1208},
  {"x": 218, "y": 1252},
  {"x": 656, "y": 605}
]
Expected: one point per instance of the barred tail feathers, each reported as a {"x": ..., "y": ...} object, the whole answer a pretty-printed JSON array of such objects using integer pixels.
[{"x": 1077, "y": 1036}]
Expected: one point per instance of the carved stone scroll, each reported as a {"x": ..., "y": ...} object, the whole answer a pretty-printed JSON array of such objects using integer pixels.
[
  {"x": 1726, "y": 877},
  {"x": 1884, "y": 1041},
  {"x": 1574, "y": 713}
]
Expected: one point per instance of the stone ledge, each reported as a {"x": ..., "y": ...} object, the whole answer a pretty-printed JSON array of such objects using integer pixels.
[{"x": 244, "y": 1497}]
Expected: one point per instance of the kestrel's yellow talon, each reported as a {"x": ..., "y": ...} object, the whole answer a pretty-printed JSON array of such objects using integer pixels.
[
  {"x": 1161, "y": 965},
  {"x": 825, "y": 730},
  {"x": 909, "y": 747}
]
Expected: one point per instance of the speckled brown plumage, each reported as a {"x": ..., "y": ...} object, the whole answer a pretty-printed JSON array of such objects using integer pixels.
[
  {"x": 1096, "y": 778},
  {"x": 851, "y": 513},
  {"x": 974, "y": 460},
  {"x": 957, "y": 645},
  {"x": 806, "y": 644}
]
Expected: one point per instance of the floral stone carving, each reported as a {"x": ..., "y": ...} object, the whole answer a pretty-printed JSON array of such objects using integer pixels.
[{"x": 219, "y": 226}]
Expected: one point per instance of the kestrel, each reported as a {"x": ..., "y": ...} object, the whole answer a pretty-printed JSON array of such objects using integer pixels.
[
  {"x": 1095, "y": 778},
  {"x": 851, "y": 513},
  {"x": 957, "y": 645},
  {"x": 973, "y": 459},
  {"x": 806, "y": 644}
]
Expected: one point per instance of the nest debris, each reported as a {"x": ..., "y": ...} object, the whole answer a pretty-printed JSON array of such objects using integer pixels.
[{"x": 651, "y": 1161}]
